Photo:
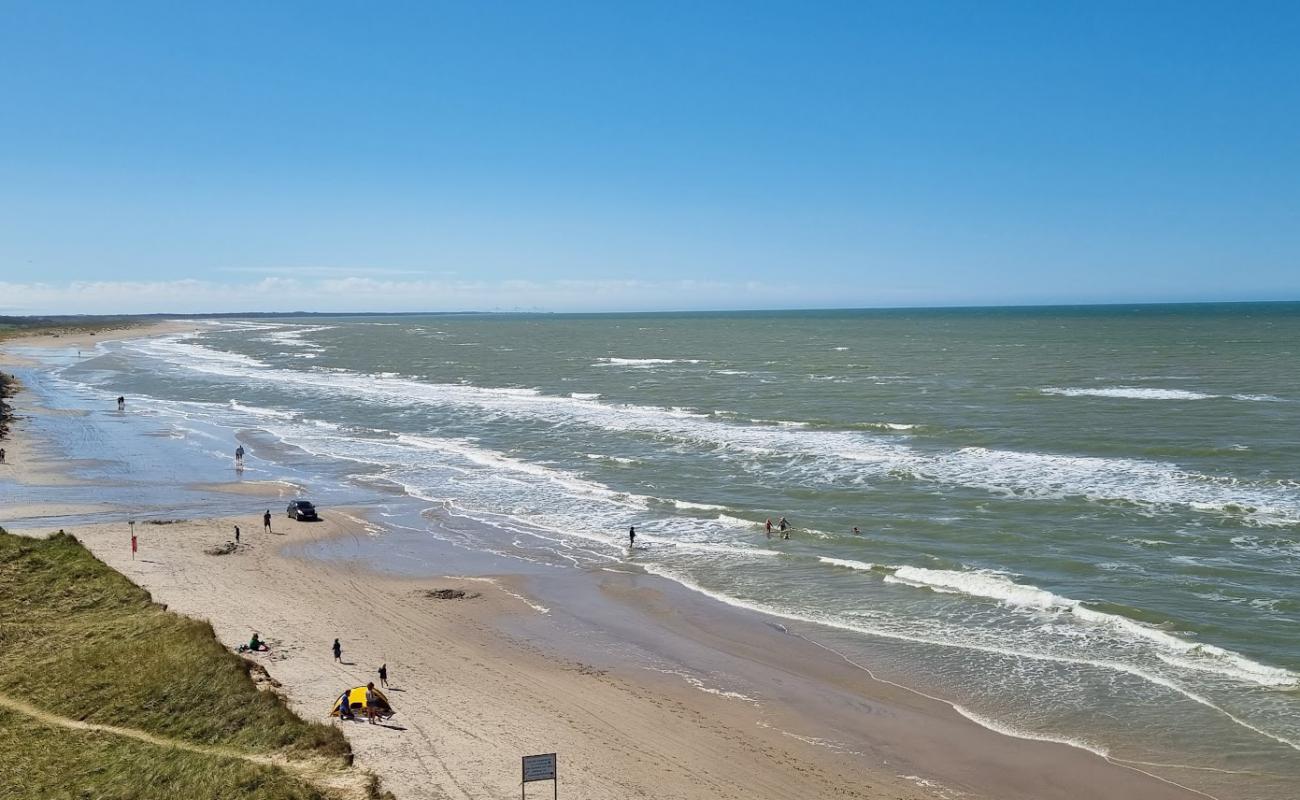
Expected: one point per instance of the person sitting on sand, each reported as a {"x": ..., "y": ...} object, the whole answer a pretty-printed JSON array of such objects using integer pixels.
[
  {"x": 345, "y": 709},
  {"x": 256, "y": 644},
  {"x": 371, "y": 711}
]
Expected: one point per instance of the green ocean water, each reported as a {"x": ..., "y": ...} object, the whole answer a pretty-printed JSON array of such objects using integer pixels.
[{"x": 1077, "y": 523}]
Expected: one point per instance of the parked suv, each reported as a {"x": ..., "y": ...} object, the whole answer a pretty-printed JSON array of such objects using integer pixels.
[{"x": 302, "y": 510}]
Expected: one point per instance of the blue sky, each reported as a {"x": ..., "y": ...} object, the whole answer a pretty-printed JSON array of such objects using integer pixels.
[{"x": 605, "y": 156}]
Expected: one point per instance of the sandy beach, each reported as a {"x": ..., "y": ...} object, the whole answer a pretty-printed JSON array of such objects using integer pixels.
[{"x": 481, "y": 680}]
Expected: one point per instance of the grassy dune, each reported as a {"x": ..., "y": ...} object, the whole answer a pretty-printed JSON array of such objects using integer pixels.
[{"x": 80, "y": 642}]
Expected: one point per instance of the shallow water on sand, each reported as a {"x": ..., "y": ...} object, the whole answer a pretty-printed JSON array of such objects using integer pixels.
[{"x": 1078, "y": 524}]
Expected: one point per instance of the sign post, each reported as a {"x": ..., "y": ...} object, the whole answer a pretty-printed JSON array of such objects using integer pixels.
[{"x": 539, "y": 768}]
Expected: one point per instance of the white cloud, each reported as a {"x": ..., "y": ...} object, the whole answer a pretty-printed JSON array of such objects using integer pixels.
[{"x": 368, "y": 292}]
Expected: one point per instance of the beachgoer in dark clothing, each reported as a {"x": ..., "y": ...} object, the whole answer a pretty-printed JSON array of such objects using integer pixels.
[
  {"x": 856, "y": 532},
  {"x": 768, "y": 526},
  {"x": 785, "y": 528},
  {"x": 338, "y": 651},
  {"x": 266, "y": 520},
  {"x": 345, "y": 708},
  {"x": 236, "y": 534},
  {"x": 2, "y": 455},
  {"x": 121, "y": 403},
  {"x": 631, "y": 537},
  {"x": 256, "y": 644},
  {"x": 383, "y": 675},
  {"x": 239, "y": 456}
]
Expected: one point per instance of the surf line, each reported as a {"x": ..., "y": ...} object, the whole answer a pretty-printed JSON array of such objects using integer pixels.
[{"x": 1119, "y": 762}]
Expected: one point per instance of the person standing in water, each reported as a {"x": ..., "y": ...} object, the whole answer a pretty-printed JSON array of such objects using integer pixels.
[
  {"x": 768, "y": 526},
  {"x": 239, "y": 457},
  {"x": 785, "y": 528},
  {"x": 631, "y": 537},
  {"x": 266, "y": 520},
  {"x": 121, "y": 403},
  {"x": 338, "y": 651}
]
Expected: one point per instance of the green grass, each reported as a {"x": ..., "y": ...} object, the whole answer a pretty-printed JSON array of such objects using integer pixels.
[
  {"x": 81, "y": 641},
  {"x": 41, "y": 761}
]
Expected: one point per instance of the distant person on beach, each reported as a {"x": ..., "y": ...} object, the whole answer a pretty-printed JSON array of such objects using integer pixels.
[
  {"x": 371, "y": 711},
  {"x": 2, "y": 455},
  {"x": 236, "y": 534},
  {"x": 121, "y": 403},
  {"x": 631, "y": 537},
  {"x": 239, "y": 456},
  {"x": 345, "y": 709},
  {"x": 383, "y": 675},
  {"x": 768, "y": 526},
  {"x": 785, "y": 528},
  {"x": 856, "y": 532},
  {"x": 266, "y": 521},
  {"x": 338, "y": 651},
  {"x": 256, "y": 644}
]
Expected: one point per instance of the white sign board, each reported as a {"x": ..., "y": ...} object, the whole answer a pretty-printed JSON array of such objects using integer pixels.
[{"x": 539, "y": 768}]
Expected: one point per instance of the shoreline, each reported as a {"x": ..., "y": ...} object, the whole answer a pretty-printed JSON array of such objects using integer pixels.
[{"x": 635, "y": 706}]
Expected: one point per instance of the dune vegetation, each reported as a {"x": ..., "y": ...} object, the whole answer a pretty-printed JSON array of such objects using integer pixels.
[{"x": 106, "y": 694}]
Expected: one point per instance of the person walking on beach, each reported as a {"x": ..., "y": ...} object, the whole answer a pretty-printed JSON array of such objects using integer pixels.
[
  {"x": 383, "y": 675},
  {"x": 2, "y": 455},
  {"x": 768, "y": 525},
  {"x": 631, "y": 537},
  {"x": 371, "y": 711},
  {"x": 266, "y": 521},
  {"x": 239, "y": 457},
  {"x": 121, "y": 403},
  {"x": 236, "y": 534},
  {"x": 338, "y": 651}
]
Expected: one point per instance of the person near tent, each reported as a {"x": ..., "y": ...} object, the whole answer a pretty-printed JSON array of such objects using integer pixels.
[
  {"x": 371, "y": 709},
  {"x": 345, "y": 709}
]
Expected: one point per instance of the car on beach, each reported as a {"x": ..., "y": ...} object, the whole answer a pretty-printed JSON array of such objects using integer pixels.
[{"x": 303, "y": 511}]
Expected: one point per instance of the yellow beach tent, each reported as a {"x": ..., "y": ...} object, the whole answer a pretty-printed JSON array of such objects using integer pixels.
[{"x": 357, "y": 701}]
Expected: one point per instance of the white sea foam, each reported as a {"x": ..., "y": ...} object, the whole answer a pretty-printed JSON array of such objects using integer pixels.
[
  {"x": 1173, "y": 649},
  {"x": 1147, "y": 393},
  {"x": 862, "y": 566},
  {"x": 646, "y": 362},
  {"x": 584, "y": 395}
]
